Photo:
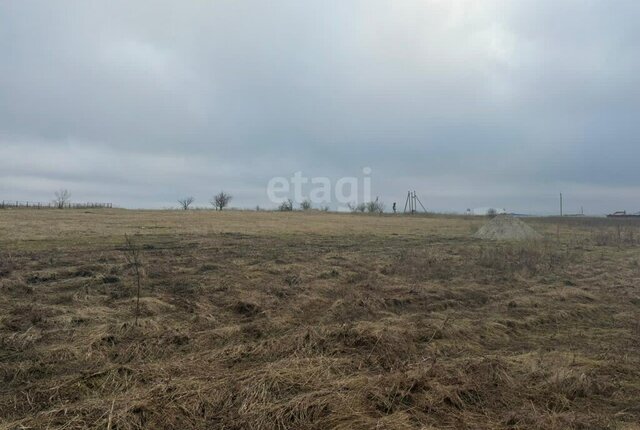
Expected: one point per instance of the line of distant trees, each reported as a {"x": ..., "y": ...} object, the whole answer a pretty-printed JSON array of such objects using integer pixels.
[
  {"x": 62, "y": 199},
  {"x": 219, "y": 201}
]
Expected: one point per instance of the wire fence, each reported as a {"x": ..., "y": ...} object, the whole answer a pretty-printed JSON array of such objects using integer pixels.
[{"x": 15, "y": 204}]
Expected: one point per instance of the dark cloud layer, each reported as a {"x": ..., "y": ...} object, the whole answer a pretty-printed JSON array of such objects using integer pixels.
[{"x": 495, "y": 103}]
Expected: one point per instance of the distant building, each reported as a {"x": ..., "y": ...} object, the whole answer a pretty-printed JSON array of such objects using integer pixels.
[
  {"x": 624, "y": 214},
  {"x": 486, "y": 211}
]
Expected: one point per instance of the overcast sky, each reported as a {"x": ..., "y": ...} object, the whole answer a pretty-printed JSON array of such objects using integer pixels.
[{"x": 470, "y": 103}]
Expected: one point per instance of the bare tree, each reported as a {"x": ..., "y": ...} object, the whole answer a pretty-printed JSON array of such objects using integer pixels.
[
  {"x": 186, "y": 202},
  {"x": 62, "y": 198},
  {"x": 305, "y": 205},
  {"x": 221, "y": 200},
  {"x": 132, "y": 254}
]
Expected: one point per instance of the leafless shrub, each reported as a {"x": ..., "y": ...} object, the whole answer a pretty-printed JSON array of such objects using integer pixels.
[
  {"x": 360, "y": 207},
  {"x": 221, "y": 200},
  {"x": 286, "y": 206},
  {"x": 186, "y": 202},
  {"x": 132, "y": 254},
  {"x": 375, "y": 207},
  {"x": 62, "y": 197},
  {"x": 305, "y": 205}
]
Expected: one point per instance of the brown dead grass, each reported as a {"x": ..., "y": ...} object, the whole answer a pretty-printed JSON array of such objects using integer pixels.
[{"x": 314, "y": 321}]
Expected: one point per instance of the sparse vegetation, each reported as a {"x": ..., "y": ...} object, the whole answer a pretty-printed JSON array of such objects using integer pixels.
[
  {"x": 360, "y": 207},
  {"x": 376, "y": 207},
  {"x": 306, "y": 205},
  {"x": 616, "y": 235},
  {"x": 371, "y": 207},
  {"x": 317, "y": 320}
]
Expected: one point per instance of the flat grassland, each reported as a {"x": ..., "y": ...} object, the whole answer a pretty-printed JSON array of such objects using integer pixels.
[{"x": 265, "y": 320}]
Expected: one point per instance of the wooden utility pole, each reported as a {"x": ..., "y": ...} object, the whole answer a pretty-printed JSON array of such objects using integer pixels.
[
  {"x": 560, "y": 204},
  {"x": 408, "y": 203}
]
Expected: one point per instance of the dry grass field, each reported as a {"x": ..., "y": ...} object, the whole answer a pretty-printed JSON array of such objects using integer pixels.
[{"x": 263, "y": 320}]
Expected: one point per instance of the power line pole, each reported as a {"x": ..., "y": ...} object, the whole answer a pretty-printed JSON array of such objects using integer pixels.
[
  {"x": 415, "y": 195},
  {"x": 560, "y": 204},
  {"x": 412, "y": 203}
]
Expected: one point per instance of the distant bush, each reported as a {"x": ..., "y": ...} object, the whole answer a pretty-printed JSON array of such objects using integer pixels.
[
  {"x": 286, "y": 206},
  {"x": 305, "y": 205},
  {"x": 375, "y": 207},
  {"x": 361, "y": 207},
  {"x": 371, "y": 207}
]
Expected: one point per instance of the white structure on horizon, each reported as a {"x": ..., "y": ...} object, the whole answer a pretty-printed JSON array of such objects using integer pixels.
[{"x": 485, "y": 211}]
